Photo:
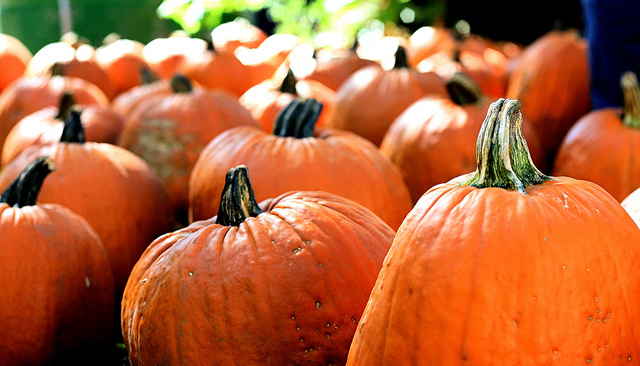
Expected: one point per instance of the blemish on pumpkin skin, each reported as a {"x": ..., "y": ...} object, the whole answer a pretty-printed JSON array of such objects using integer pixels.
[{"x": 318, "y": 304}]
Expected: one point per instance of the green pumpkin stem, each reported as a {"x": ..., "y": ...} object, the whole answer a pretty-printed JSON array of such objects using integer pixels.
[
  {"x": 73, "y": 131},
  {"x": 463, "y": 89},
  {"x": 502, "y": 152},
  {"x": 289, "y": 84},
  {"x": 64, "y": 107},
  {"x": 298, "y": 119},
  {"x": 181, "y": 84},
  {"x": 24, "y": 190},
  {"x": 238, "y": 201},
  {"x": 402, "y": 62},
  {"x": 631, "y": 92}
]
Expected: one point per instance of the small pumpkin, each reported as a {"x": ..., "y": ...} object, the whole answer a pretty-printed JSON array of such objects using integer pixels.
[
  {"x": 110, "y": 187},
  {"x": 298, "y": 156},
  {"x": 57, "y": 285},
  {"x": 506, "y": 266},
  {"x": 372, "y": 97},
  {"x": 281, "y": 283}
]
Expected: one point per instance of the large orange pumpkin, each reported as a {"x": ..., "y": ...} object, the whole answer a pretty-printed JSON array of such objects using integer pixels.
[
  {"x": 297, "y": 156},
  {"x": 170, "y": 131},
  {"x": 283, "y": 283},
  {"x": 507, "y": 266},
  {"x": 372, "y": 97},
  {"x": 551, "y": 80},
  {"x": 110, "y": 187},
  {"x": 57, "y": 286},
  {"x": 602, "y": 145},
  {"x": 14, "y": 57}
]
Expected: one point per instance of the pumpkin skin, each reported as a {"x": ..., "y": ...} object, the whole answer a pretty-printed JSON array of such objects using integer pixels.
[
  {"x": 330, "y": 160},
  {"x": 30, "y": 94},
  {"x": 600, "y": 147},
  {"x": 372, "y": 97},
  {"x": 121, "y": 60},
  {"x": 333, "y": 67},
  {"x": 150, "y": 86},
  {"x": 111, "y": 188},
  {"x": 551, "y": 80},
  {"x": 170, "y": 132},
  {"x": 433, "y": 140},
  {"x": 534, "y": 276},
  {"x": 68, "y": 304},
  {"x": 284, "y": 287}
]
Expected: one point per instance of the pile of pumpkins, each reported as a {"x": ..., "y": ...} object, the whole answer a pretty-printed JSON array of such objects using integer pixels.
[{"x": 427, "y": 199}]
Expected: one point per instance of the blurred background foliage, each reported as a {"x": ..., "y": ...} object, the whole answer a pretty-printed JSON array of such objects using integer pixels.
[{"x": 330, "y": 21}]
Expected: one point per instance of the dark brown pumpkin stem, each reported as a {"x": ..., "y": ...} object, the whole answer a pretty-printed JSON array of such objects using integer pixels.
[
  {"x": 73, "y": 131},
  {"x": 631, "y": 92},
  {"x": 298, "y": 119},
  {"x": 238, "y": 201},
  {"x": 502, "y": 152},
  {"x": 402, "y": 62},
  {"x": 210, "y": 46},
  {"x": 463, "y": 90},
  {"x": 289, "y": 84},
  {"x": 24, "y": 190},
  {"x": 147, "y": 76},
  {"x": 57, "y": 69},
  {"x": 66, "y": 102},
  {"x": 181, "y": 84}
]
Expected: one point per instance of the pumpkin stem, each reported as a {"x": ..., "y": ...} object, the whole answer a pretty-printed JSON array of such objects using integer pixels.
[
  {"x": 181, "y": 84},
  {"x": 24, "y": 190},
  {"x": 64, "y": 107},
  {"x": 631, "y": 92},
  {"x": 238, "y": 201},
  {"x": 210, "y": 46},
  {"x": 73, "y": 131},
  {"x": 502, "y": 152},
  {"x": 402, "y": 61},
  {"x": 463, "y": 89},
  {"x": 147, "y": 76},
  {"x": 289, "y": 84},
  {"x": 298, "y": 119},
  {"x": 57, "y": 69}
]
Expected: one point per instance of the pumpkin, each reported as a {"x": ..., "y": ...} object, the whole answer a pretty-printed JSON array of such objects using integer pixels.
[
  {"x": 57, "y": 286},
  {"x": 29, "y": 94},
  {"x": 433, "y": 140},
  {"x": 45, "y": 126},
  {"x": 429, "y": 40},
  {"x": 110, "y": 187},
  {"x": 165, "y": 55},
  {"x": 149, "y": 85},
  {"x": 169, "y": 132},
  {"x": 122, "y": 60},
  {"x": 78, "y": 59},
  {"x": 371, "y": 98},
  {"x": 14, "y": 57},
  {"x": 551, "y": 80},
  {"x": 601, "y": 145},
  {"x": 266, "y": 99},
  {"x": 280, "y": 283},
  {"x": 298, "y": 156},
  {"x": 229, "y": 36},
  {"x": 506, "y": 266},
  {"x": 333, "y": 67}
]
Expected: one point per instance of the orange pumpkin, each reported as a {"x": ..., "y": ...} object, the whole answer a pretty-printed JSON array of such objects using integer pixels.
[
  {"x": 229, "y": 36},
  {"x": 14, "y": 57},
  {"x": 150, "y": 85},
  {"x": 113, "y": 189},
  {"x": 170, "y": 131},
  {"x": 433, "y": 140},
  {"x": 601, "y": 146},
  {"x": 506, "y": 266},
  {"x": 333, "y": 67},
  {"x": 122, "y": 60},
  {"x": 297, "y": 156},
  {"x": 57, "y": 286},
  {"x": 283, "y": 283},
  {"x": 372, "y": 97},
  {"x": 165, "y": 55},
  {"x": 551, "y": 80}
]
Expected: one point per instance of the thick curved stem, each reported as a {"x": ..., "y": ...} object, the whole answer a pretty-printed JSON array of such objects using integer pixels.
[
  {"x": 502, "y": 153},
  {"x": 238, "y": 201},
  {"x": 631, "y": 92},
  {"x": 298, "y": 119},
  {"x": 73, "y": 131},
  {"x": 64, "y": 107},
  {"x": 24, "y": 190}
]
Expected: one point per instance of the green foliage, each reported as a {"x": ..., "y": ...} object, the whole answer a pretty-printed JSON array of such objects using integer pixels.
[{"x": 314, "y": 20}]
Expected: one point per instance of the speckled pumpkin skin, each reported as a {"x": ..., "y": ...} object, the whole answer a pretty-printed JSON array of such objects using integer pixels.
[
  {"x": 495, "y": 277},
  {"x": 284, "y": 288}
]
